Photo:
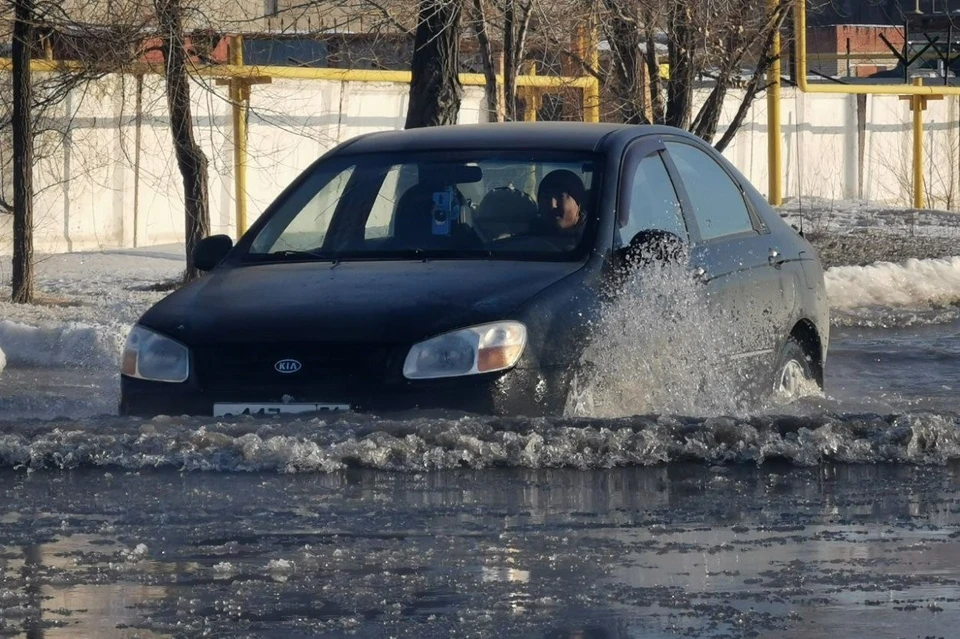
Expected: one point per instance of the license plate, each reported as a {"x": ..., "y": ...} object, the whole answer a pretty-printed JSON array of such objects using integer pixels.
[{"x": 227, "y": 410}]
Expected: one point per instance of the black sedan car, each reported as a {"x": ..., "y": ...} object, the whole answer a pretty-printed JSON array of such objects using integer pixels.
[{"x": 454, "y": 268}]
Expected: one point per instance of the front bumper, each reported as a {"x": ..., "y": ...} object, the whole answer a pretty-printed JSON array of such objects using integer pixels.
[{"x": 518, "y": 392}]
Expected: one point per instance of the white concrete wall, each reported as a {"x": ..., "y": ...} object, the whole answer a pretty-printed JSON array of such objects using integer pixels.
[
  {"x": 821, "y": 148},
  {"x": 87, "y": 179}
]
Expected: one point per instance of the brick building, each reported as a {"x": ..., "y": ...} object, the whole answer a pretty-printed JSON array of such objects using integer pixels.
[{"x": 843, "y": 34}]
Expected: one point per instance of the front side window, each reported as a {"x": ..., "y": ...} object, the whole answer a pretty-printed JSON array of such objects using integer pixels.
[
  {"x": 653, "y": 203},
  {"x": 718, "y": 203},
  {"x": 510, "y": 205}
]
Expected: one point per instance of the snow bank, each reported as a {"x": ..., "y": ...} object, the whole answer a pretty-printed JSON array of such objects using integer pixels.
[
  {"x": 89, "y": 301},
  {"x": 71, "y": 344},
  {"x": 913, "y": 284}
]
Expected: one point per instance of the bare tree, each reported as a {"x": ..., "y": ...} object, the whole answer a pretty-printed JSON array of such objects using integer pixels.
[
  {"x": 509, "y": 22},
  {"x": 516, "y": 22},
  {"x": 480, "y": 28},
  {"x": 435, "y": 90},
  {"x": 93, "y": 50},
  {"x": 22, "y": 153},
  {"x": 625, "y": 34},
  {"x": 190, "y": 157},
  {"x": 703, "y": 42}
]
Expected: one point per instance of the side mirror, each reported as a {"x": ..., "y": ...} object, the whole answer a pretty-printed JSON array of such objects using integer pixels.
[
  {"x": 652, "y": 246},
  {"x": 210, "y": 251}
]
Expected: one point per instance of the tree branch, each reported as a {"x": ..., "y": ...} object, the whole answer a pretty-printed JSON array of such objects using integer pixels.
[{"x": 754, "y": 86}]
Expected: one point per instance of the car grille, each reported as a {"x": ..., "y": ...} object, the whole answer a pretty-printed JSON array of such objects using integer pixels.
[{"x": 328, "y": 365}]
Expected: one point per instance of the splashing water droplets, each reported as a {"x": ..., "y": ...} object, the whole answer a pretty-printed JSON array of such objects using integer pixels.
[{"x": 660, "y": 346}]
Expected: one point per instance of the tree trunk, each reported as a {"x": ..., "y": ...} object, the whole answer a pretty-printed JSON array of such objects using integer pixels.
[
  {"x": 706, "y": 123},
  {"x": 655, "y": 85},
  {"x": 435, "y": 90},
  {"x": 492, "y": 91},
  {"x": 190, "y": 157},
  {"x": 511, "y": 66},
  {"x": 624, "y": 37},
  {"x": 735, "y": 48},
  {"x": 680, "y": 86},
  {"x": 514, "y": 47},
  {"x": 22, "y": 154}
]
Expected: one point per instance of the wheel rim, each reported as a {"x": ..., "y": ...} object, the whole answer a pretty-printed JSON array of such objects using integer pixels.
[{"x": 793, "y": 380}]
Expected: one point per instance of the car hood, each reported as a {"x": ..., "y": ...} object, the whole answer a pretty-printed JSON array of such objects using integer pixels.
[{"x": 376, "y": 301}]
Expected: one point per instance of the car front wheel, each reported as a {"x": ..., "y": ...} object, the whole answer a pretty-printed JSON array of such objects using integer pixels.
[{"x": 794, "y": 377}]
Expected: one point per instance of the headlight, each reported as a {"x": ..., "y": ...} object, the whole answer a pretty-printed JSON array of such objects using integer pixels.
[
  {"x": 151, "y": 356},
  {"x": 479, "y": 349}
]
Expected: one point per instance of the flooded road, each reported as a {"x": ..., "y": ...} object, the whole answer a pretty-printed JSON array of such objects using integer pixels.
[
  {"x": 840, "y": 520},
  {"x": 896, "y": 368},
  {"x": 674, "y": 550}
]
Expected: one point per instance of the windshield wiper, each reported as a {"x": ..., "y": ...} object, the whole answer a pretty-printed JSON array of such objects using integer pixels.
[{"x": 296, "y": 253}]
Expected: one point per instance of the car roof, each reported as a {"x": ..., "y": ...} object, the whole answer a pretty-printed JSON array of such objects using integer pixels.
[{"x": 560, "y": 136}]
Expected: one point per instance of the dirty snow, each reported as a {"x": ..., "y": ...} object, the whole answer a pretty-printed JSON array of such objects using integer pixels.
[
  {"x": 858, "y": 233},
  {"x": 87, "y": 302}
]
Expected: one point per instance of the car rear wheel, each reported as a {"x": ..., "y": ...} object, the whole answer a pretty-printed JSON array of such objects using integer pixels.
[{"x": 794, "y": 377}]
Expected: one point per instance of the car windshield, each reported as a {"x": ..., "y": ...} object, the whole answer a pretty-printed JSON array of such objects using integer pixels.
[{"x": 461, "y": 205}]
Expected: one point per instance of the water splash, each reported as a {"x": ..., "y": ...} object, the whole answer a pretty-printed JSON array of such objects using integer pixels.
[
  {"x": 661, "y": 346},
  {"x": 416, "y": 445}
]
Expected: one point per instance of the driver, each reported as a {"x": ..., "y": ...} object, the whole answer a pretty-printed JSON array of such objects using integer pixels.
[{"x": 560, "y": 199}]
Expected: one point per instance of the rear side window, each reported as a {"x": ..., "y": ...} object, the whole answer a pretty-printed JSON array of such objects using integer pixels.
[
  {"x": 653, "y": 201},
  {"x": 718, "y": 203}
]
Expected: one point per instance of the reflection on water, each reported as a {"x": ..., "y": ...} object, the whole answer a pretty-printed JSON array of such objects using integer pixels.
[
  {"x": 41, "y": 597},
  {"x": 902, "y": 368},
  {"x": 667, "y": 551}
]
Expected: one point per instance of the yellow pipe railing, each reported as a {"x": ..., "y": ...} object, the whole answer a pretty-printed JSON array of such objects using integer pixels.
[
  {"x": 917, "y": 105},
  {"x": 591, "y": 90},
  {"x": 301, "y": 73},
  {"x": 774, "y": 148},
  {"x": 240, "y": 100}
]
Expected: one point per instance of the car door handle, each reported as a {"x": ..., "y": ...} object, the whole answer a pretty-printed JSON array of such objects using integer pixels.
[{"x": 775, "y": 258}]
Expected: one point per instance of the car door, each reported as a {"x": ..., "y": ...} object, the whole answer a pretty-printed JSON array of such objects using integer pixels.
[{"x": 733, "y": 249}]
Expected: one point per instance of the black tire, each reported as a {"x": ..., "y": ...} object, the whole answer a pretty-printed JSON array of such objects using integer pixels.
[{"x": 794, "y": 374}]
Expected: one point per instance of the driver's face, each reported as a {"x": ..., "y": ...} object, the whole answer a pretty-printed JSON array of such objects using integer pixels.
[{"x": 560, "y": 208}]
